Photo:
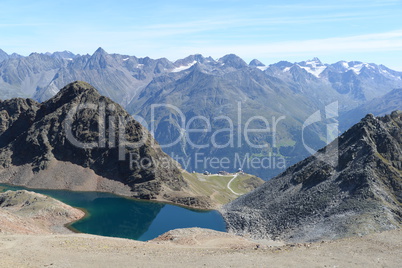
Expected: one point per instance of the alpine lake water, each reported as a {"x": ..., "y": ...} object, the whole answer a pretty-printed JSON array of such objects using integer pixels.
[{"x": 116, "y": 216}]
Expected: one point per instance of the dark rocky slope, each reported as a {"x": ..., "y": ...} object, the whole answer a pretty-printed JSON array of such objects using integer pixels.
[
  {"x": 37, "y": 151},
  {"x": 351, "y": 189}
]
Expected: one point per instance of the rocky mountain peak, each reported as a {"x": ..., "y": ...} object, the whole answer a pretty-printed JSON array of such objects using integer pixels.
[
  {"x": 63, "y": 55},
  {"x": 234, "y": 61},
  {"x": 351, "y": 187},
  {"x": 256, "y": 63},
  {"x": 317, "y": 60},
  {"x": 99, "y": 60},
  {"x": 282, "y": 64},
  {"x": 190, "y": 59},
  {"x": 72, "y": 93},
  {"x": 100, "y": 51},
  {"x": 90, "y": 145},
  {"x": 77, "y": 88},
  {"x": 15, "y": 56}
]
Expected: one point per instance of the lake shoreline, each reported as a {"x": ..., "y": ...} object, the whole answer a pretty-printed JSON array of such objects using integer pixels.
[{"x": 98, "y": 210}]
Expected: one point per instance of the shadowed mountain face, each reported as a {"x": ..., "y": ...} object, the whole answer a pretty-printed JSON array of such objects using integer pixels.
[
  {"x": 204, "y": 92},
  {"x": 81, "y": 140},
  {"x": 351, "y": 187}
]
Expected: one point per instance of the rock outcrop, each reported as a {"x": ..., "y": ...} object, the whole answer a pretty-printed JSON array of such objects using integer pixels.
[
  {"x": 351, "y": 187},
  {"x": 80, "y": 140},
  {"x": 23, "y": 212}
]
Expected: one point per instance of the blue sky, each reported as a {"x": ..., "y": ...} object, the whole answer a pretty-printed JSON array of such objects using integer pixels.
[{"x": 270, "y": 31}]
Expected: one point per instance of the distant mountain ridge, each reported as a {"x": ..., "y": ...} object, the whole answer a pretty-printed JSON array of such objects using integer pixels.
[
  {"x": 202, "y": 86},
  {"x": 5, "y": 56},
  {"x": 351, "y": 187},
  {"x": 379, "y": 106},
  {"x": 67, "y": 67},
  {"x": 358, "y": 81}
]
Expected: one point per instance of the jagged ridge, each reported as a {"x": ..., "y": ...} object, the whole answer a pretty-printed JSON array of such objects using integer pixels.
[{"x": 321, "y": 198}]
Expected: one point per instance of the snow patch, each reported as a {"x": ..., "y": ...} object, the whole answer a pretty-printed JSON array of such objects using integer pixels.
[
  {"x": 262, "y": 68},
  {"x": 314, "y": 70},
  {"x": 54, "y": 90},
  {"x": 312, "y": 63},
  {"x": 358, "y": 67},
  {"x": 389, "y": 75},
  {"x": 126, "y": 59},
  {"x": 287, "y": 69},
  {"x": 184, "y": 67}
]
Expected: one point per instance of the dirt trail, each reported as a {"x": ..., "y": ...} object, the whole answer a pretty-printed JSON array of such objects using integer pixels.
[{"x": 234, "y": 177}]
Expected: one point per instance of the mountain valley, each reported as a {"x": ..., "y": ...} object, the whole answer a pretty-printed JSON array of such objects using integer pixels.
[{"x": 218, "y": 99}]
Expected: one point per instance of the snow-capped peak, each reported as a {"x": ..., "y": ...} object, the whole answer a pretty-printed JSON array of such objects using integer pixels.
[
  {"x": 314, "y": 66},
  {"x": 356, "y": 66},
  {"x": 313, "y": 62}
]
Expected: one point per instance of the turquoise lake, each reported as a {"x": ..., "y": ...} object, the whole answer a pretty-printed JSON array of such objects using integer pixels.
[{"x": 116, "y": 216}]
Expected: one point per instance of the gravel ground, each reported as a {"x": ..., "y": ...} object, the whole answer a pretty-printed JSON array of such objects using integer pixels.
[{"x": 197, "y": 248}]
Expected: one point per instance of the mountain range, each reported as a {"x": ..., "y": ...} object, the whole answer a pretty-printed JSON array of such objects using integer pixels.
[
  {"x": 5, "y": 56},
  {"x": 209, "y": 95},
  {"x": 41, "y": 75}
]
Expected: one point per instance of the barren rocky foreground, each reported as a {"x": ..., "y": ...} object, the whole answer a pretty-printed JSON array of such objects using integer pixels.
[
  {"x": 24, "y": 212},
  {"x": 32, "y": 235},
  {"x": 205, "y": 249}
]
